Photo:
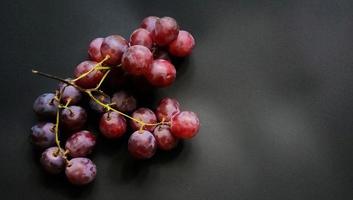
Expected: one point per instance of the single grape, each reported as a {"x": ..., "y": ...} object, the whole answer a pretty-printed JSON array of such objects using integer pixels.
[
  {"x": 166, "y": 30},
  {"x": 137, "y": 60},
  {"x": 80, "y": 144},
  {"x": 112, "y": 125},
  {"x": 43, "y": 134},
  {"x": 124, "y": 102},
  {"x": 145, "y": 115},
  {"x": 160, "y": 53},
  {"x": 141, "y": 37},
  {"x": 167, "y": 107},
  {"x": 80, "y": 171},
  {"x": 97, "y": 107},
  {"x": 94, "y": 50},
  {"x": 73, "y": 118},
  {"x": 114, "y": 46},
  {"x": 69, "y": 92},
  {"x": 164, "y": 137},
  {"x": 92, "y": 79},
  {"x": 161, "y": 74},
  {"x": 52, "y": 160},
  {"x": 182, "y": 45},
  {"x": 45, "y": 105},
  {"x": 185, "y": 125},
  {"x": 149, "y": 23},
  {"x": 142, "y": 144}
]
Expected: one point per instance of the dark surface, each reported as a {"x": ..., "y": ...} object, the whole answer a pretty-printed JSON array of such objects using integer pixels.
[{"x": 272, "y": 82}]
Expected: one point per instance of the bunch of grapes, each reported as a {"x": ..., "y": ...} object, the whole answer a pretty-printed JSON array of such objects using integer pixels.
[{"x": 146, "y": 55}]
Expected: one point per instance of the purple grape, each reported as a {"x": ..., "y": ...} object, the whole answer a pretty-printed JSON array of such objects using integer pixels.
[
  {"x": 43, "y": 134},
  {"x": 52, "y": 161},
  {"x": 73, "y": 118},
  {"x": 69, "y": 92},
  {"x": 124, "y": 102},
  {"x": 142, "y": 144},
  {"x": 164, "y": 137},
  {"x": 45, "y": 105},
  {"x": 167, "y": 108},
  {"x": 80, "y": 171},
  {"x": 97, "y": 107},
  {"x": 80, "y": 144}
]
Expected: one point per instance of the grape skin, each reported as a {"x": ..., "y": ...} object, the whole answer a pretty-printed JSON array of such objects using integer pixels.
[
  {"x": 80, "y": 171},
  {"x": 149, "y": 23},
  {"x": 185, "y": 125},
  {"x": 80, "y": 144},
  {"x": 137, "y": 60},
  {"x": 114, "y": 46},
  {"x": 45, "y": 106},
  {"x": 141, "y": 37},
  {"x": 165, "y": 139},
  {"x": 161, "y": 74},
  {"x": 43, "y": 135},
  {"x": 52, "y": 161},
  {"x": 124, "y": 102},
  {"x": 92, "y": 79},
  {"x": 112, "y": 125},
  {"x": 167, "y": 108},
  {"x": 166, "y": 30},
  {"x": 142, "y": 145},
  {"x": 73, "y": 118},
  {"x": 145, "y": 115},
  {"x": 182, "y": 46},
  {"x": 94, "y": 49}
]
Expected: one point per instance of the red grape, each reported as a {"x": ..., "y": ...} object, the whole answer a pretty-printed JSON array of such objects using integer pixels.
[
  {"x": 182, "y": 45},
  {"x": 167, "y": 108},
  {"x": 185, "y": 125},
  {"x": 149, "y": 23},
  {"x": 80, "y": 171},
  {"x": 73, "y": 118},
  {"x": 141, "y": 37},
  {"x": 161, "y": 74},
  {"x": 137, "y": 60},
  {"x": 52, "y": 161},
  {"x": 142, "y": 145},
  {"x": 114, "y": 46},
  {"x": 112, "y": 125},
  {"x": 92, "y": 79},
  {"x": 145, "y": 115},
  {"x": 166, "y": 31},
  {"x": 80, "y": 143},
  {"x": 165, "y": 139},
  {"x": 94, "y": 50}
]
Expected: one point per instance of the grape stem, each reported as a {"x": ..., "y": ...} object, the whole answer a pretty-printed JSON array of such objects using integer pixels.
[{"x": 90, "y": 91}]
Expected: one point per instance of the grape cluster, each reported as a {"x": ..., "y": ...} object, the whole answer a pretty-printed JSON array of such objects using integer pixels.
[{"x": 114, "y": 61}]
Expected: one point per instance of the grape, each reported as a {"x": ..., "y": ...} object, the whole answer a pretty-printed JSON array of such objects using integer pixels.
[
  {"x": 185, "y": 125},
  {"x": 137, "y": 60},
  {"x": 92, "y": 79},
  {"x": 45, "y": 105},
  {"x": 80, "y": 144},
  {"x": 52, "y": 161},
  {"x": 145, "y": 115},
  {"x": 97, "y": 107},
  {"x": 94, "y": 50},
  {"x": 149, "y": 23},
  {"x": 161, "y": 74},
  {"x": 141, "y": 37},
  {"x": 124, "y": 102},
  {"x": 73, "y": 118},
  {"x": 167, "y": 108},
  {"x": 161, "y": 54},
  {"x": 165, "y": 139},
  {"x": 69, "y": 92},
  {"x": 43, "y": 134},
  {"x": 114, "y": 46},
  {"x": 142, "y": 144},
  {"x": 182, "y": 45},
  {"x": 112, "y": 125},
  {"x": 80, "y": 171},
  {"x": 166, "y": 30}
]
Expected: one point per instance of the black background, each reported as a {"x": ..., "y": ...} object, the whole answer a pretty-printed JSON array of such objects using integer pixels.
[{"x": 272, "y": 82}]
